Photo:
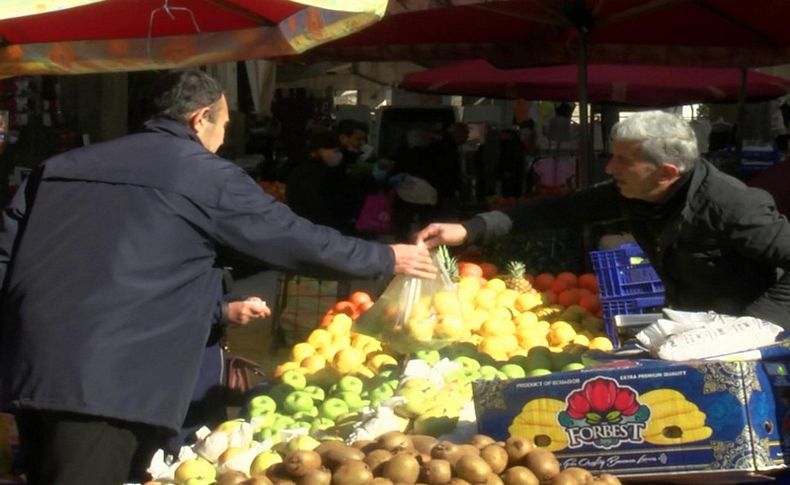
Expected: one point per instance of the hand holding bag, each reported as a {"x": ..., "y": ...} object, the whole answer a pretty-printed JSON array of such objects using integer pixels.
[{"x": 239, "y": 379}]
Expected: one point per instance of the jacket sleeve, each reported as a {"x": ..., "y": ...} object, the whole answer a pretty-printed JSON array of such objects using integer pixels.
[
  {"x": 598, "y": 203},
  {"x": 250, "y": 221},
  {"x": 759, "y": 232},
  {"x": 11, "y": 219}
]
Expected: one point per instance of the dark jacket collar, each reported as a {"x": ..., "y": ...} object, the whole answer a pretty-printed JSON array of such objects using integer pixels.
[{"x": 166, "y": 125}]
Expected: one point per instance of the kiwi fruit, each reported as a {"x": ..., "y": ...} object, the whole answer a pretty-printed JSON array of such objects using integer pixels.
[
  {"x": 338, "y": 455},
  {"x": 519, "y": 475},
  {"x": 231, "y": 477},
  {"x": 517, "y": 448},
  {"x": 380, "y": 481},
  {"x": 563, "y": 478},
  {"x": 352, "y": 472},
  {"x": 446, "y": 450},
  {"x": 493, "y": 479},
  {"x": 608, "y": 479},
  {"x": 467, "y": 449},
  {"x": 581, "y": 475},
  {"x": 394, "y": 441},
  {"x": 277, "y": 472},
  {"x": 375, "y": 459},
  {"x": 363, "y": 444},
  {"x": 301, "y": 462},
  {"x": 402, "y": 468},
  {"x": 458, "y": 481},
  {"x": 471, "y": 468},
  {"x": 258, "y": 480},
  {"x": 423, "y": 443},
  {"x": 436, "y": 472},
  {"x": 318, "y": 476},
  {"x": 481, "y": 440},
  {"x": 496, "y": 457},
  {"x": 542, "y": 463},
  {"x": 325, "y": 446}
]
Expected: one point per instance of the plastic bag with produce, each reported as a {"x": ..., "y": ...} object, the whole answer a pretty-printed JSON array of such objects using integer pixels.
[{"x": 415, "y": 314}]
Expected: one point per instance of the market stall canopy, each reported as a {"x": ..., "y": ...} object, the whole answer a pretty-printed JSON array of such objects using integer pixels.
[
  {"x": 82, "y": 36},
  {"x": 616, "y": 84},
  {"x": 538, "y": 32}
]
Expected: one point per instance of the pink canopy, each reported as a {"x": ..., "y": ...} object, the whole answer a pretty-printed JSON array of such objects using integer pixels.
[{"x": 619, "y": 84}]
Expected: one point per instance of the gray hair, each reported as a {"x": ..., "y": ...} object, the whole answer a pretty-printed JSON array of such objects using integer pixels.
[{"x": 664, "y": 137}]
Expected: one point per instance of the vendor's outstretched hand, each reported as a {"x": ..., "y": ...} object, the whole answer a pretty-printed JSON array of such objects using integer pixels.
[
  {"x": 436, "y": 234},
  {"x": 413, "y": 260}
]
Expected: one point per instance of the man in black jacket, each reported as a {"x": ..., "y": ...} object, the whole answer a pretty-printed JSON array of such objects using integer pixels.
[
  {"x": 110, "y": 278},
  {"x": 716, "y": 243}
]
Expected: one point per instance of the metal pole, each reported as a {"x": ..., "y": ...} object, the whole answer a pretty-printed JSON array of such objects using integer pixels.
[
  {"x": 739, "y": 126},
  {"x": 584, "y": 166}
]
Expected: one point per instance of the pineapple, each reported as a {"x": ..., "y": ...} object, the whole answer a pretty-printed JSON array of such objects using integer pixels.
[
  {"x": 449, "y": 263},
  {"x": 515, "y": 279}
]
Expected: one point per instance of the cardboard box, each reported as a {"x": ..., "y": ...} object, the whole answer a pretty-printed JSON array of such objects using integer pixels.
[{"x": 650, "y": 418}]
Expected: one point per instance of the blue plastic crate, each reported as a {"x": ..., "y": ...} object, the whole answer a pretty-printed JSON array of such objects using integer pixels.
[
  {"x": 627, "y": 306},
  {"x": 619, "y": 278}
]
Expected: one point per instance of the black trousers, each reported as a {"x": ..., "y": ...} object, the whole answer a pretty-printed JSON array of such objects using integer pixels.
[{"x": 66, "y": 448}]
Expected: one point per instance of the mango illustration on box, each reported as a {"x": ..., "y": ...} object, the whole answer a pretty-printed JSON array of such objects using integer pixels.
[{"x": 604, "y": 414}]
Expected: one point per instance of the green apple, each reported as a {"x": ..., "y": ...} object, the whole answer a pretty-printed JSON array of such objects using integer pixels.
[
  {"x": 487, "y": 372},
  {"x": 513, "y": 371},
  {"x": 300, "y": 425},
  {"x": 315, "y": 392},
  {"x": 262, "y": 421},
  {"x": 501, "y": 376},
  {"x": 264, "y": 460},
  {"x": 298, "y": 401},
  {"x": 573, "y": 366},
  {"x": 381, "y": 392},
  {"x": 538, "y": 372},
  {"x": 268, "y": 434},
  {"x": 429, "y": 356},
  {"x": 468, "y": 363},
  {"x": 279, "y": 391},
  {"x": 195, "y": 468},
  {"x": 306, "y": 415},
  {"x": 350, "y": 384},
  {"x": 354, "y": 401},
  {"x": 460, "y": 349},
  {"x": 388, "y": 370},
  {"x": 320, "y": 424},
  {"x": 282, "y": 422},
  {"x": 421, "y": 383},
  {"x": 262, "y": 404},
  {"x": 294, "y": 378},
  {"x": 333, "y": 407}
]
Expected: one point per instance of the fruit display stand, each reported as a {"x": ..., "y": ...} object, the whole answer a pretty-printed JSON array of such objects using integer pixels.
[{"x": 339, "y": 384}]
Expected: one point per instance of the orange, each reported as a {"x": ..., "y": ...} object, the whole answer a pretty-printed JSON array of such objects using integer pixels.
[
  {"x": 359, "y": 297},
  {"x": 313, "y": 363},
  {"x": 348, "y": 360},
  {"x": 591, "y": 303},
  {"x": 363, "y": 307},
  {"x": 466, "y": 268},
  {"x": 589, "y": 282},
  {"x": 346, "y": 307},
  {"x": 568, "y": 297},
  {"x": 301, "y": 350},
  {"x": 489, "y": 270},
  {"x": 543, "y": 281},
  {"x": 558, "y": 286},
  {"x": 569, "y": 278}
]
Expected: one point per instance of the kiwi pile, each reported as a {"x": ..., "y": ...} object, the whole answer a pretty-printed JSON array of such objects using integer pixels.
[{"x": 396, "y": 458}]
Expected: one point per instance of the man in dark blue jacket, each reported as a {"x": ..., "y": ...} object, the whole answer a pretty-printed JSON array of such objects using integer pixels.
[
  {"x": 716, "y": 243},
  {"x": 110, "y": 278}
]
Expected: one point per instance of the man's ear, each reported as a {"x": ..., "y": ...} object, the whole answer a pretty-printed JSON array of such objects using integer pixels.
[
  {"x": 197, "y": 118},
  {"x": 669, "y": 172}
]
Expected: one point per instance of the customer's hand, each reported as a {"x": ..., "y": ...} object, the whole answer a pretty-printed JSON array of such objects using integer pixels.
[
  {"x": 413, "y": 260},
  {"x": 436, "y": 234},
  {"x": 242, "y": 312}
]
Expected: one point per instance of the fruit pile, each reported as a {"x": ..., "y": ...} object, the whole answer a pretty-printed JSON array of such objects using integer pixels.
[{"x": 397, "y": 458}]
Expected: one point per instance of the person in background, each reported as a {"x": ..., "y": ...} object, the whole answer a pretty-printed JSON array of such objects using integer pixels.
[
  {"x": 108, "y": 257},
  {"x": 716, "y": 243},
  {"x": 449, "y": 160},
  {"x": 511, "y": 166},
  {"x": 319, "y": 188},
  {"x": 353, "y": 136}
]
